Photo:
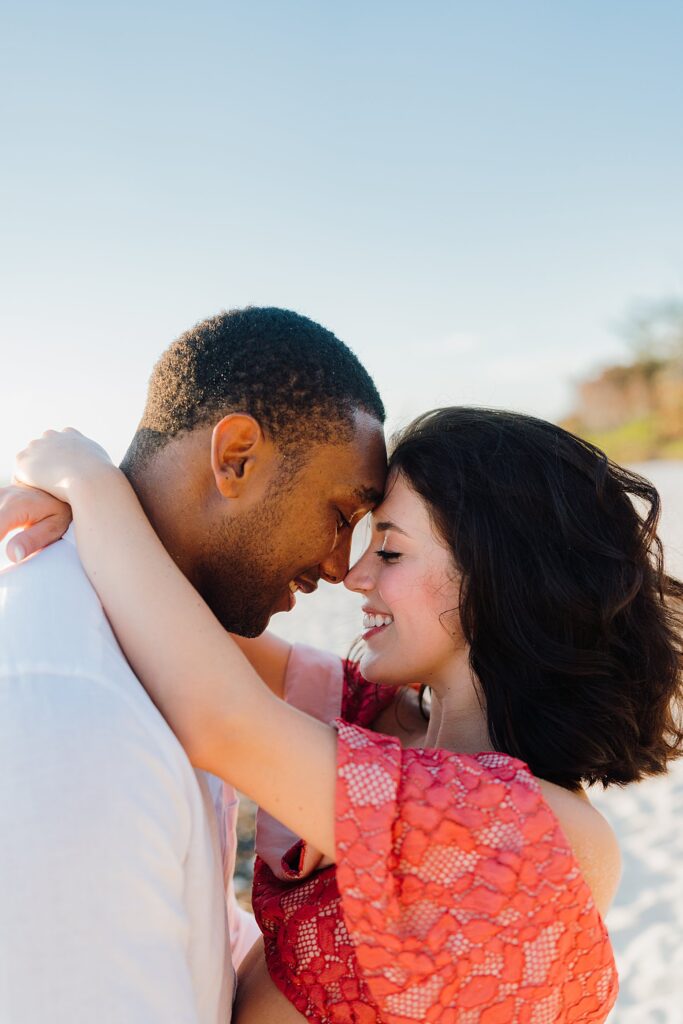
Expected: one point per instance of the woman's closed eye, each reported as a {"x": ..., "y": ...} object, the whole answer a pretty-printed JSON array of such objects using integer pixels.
[{"x": 388, "y": 556}]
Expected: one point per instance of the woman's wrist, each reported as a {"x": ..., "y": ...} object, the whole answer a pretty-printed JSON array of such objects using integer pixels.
[
  {"x": 98, "y": 485},
  {"x": 66, "y": 464}
]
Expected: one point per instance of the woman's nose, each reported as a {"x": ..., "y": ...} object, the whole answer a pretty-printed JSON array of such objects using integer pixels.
[{"x": 360, "y": 578}]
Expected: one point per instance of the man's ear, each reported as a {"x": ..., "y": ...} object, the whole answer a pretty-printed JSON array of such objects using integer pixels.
[{"x": 238, "y": 448}]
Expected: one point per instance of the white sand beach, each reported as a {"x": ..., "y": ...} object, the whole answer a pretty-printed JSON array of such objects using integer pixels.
[{"x": 646, "y": 920}]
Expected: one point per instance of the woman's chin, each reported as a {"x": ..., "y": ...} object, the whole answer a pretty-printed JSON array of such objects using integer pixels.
[
  {"x": 369, "y": 667},
  {"x": 377, "y": 669}
]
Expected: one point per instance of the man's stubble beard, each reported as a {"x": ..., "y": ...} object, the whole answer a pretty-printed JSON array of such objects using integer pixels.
[{"x": 238, "y": 574}]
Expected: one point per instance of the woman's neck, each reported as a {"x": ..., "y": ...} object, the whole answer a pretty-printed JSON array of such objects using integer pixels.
[{"x": 457, "y": 721}]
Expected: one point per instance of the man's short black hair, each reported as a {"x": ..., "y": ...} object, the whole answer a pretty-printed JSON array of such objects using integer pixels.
[{"x": 292, "y": 375}]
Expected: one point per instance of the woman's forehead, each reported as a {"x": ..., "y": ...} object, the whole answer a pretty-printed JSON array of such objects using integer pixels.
[{"x": 400, "y": 505}]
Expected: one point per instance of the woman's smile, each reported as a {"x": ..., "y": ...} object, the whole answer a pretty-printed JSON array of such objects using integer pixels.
[
  {"x": 375, "y": 622},
  {"x": 410, "y": 587}
]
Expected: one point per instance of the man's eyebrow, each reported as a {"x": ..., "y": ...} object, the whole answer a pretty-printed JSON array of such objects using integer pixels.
[
  {"x": 383, "y": 527},
  {"x": 368, "y": 496}
]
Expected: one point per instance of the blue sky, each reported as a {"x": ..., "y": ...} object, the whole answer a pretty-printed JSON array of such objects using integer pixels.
[{"x": 471, "y": 195}]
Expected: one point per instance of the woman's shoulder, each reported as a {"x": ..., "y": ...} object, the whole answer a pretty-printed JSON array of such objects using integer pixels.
[
  {"x": 478, "y": 791},
  {"x": 591, "y": 838},
  {"x": 587, "y": 832}
]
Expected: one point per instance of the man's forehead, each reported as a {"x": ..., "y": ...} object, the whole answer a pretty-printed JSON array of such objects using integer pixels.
[
  {"x": 357, "y": 469},
  {"x": 346, "y": 488}
]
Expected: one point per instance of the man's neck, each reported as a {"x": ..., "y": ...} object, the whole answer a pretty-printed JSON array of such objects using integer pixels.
[{"x": 164, "y": 488}]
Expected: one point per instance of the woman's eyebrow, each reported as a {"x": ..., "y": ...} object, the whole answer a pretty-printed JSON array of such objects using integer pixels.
[{"x": 387, "y": 525}]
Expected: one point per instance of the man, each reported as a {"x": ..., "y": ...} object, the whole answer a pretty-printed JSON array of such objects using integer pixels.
[{"x": 260, "y": 445}]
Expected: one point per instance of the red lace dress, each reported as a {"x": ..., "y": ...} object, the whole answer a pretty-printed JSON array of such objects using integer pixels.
[{"x": 455, "y": 897}]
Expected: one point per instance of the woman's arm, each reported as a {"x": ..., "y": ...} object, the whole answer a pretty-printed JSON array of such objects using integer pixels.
[
  {"x": 269, "y": 656},
  {"x": 228, "y": 721},
  {"x": 44, "y": 519}
]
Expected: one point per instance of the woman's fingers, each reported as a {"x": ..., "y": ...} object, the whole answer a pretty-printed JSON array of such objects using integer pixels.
[
  {"x": 42, "y": 518},
  {"x": 34, "y": 538},
  {"x": 58, "y": 459}
]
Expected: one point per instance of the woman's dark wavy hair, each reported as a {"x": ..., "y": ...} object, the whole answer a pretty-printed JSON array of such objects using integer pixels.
[{"x": 573, "y": 625}]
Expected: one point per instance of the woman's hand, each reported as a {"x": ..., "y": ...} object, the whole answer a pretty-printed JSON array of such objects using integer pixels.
[
  {"x": 60, "y": 461},
  {"x": 42, "y": 518}
]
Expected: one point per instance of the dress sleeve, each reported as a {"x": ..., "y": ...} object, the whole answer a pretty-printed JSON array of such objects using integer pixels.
[{"x": 458, "y": 887}]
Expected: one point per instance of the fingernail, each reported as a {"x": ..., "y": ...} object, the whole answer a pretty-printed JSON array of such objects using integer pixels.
[{"x": 17, "y": 552}]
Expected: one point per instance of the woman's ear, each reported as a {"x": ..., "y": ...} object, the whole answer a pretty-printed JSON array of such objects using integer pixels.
[{"x": 238, "y": 448}]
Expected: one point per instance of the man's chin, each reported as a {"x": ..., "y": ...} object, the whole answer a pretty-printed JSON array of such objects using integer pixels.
[
  {"x": 252, "y": 633},
  {"x": 249, "y": 615},
  {"x": 242, "y": 623},
  {"x": 284, "y": 603}
]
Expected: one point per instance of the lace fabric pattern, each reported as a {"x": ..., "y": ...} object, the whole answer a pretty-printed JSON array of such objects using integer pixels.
[
  {"x": 455, "y": 898},
  {"x": 309, "y": 952},
  {"x": 462, "y": 897}
]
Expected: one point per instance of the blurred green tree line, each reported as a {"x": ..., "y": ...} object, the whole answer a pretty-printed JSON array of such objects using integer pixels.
[{"x": 634, "y": 410}]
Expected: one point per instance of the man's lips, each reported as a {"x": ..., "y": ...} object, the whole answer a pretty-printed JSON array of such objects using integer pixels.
[
  {"x": 303, "y": 584},
  {"x": 300, "y": 584}
]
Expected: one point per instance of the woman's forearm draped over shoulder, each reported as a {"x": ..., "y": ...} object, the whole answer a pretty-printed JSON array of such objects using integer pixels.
[{"x": 226, "y": 718}]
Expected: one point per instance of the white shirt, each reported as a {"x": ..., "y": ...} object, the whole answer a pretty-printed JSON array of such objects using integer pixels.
[{"x": 112, "y": 881}]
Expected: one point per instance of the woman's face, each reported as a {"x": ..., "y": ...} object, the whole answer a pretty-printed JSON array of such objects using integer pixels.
[{"x": 410, "y": 587}]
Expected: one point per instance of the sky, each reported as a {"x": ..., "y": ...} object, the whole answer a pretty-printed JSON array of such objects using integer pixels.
[{"x": 472, "y": 196}]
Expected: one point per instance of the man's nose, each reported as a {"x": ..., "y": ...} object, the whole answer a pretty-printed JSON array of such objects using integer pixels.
[{"x": 335, "y": 567}]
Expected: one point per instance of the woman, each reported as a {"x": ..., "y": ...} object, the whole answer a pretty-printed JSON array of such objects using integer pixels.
[{"x": 453, "y": 869}]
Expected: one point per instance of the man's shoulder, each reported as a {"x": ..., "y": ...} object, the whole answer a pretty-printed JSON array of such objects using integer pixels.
[
  {"x": 50, "y": 613},
  {"x": 58, "y": 655},
  {"x": 34, "y": 585}
]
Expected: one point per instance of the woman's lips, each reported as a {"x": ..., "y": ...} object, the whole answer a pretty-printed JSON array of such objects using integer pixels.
[
  {"x": 375, "y": 621},
  {"x": 376, "y": 630}
]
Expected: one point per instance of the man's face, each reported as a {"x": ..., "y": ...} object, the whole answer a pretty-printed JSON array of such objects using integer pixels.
[{"x": 253, "y": 562}]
